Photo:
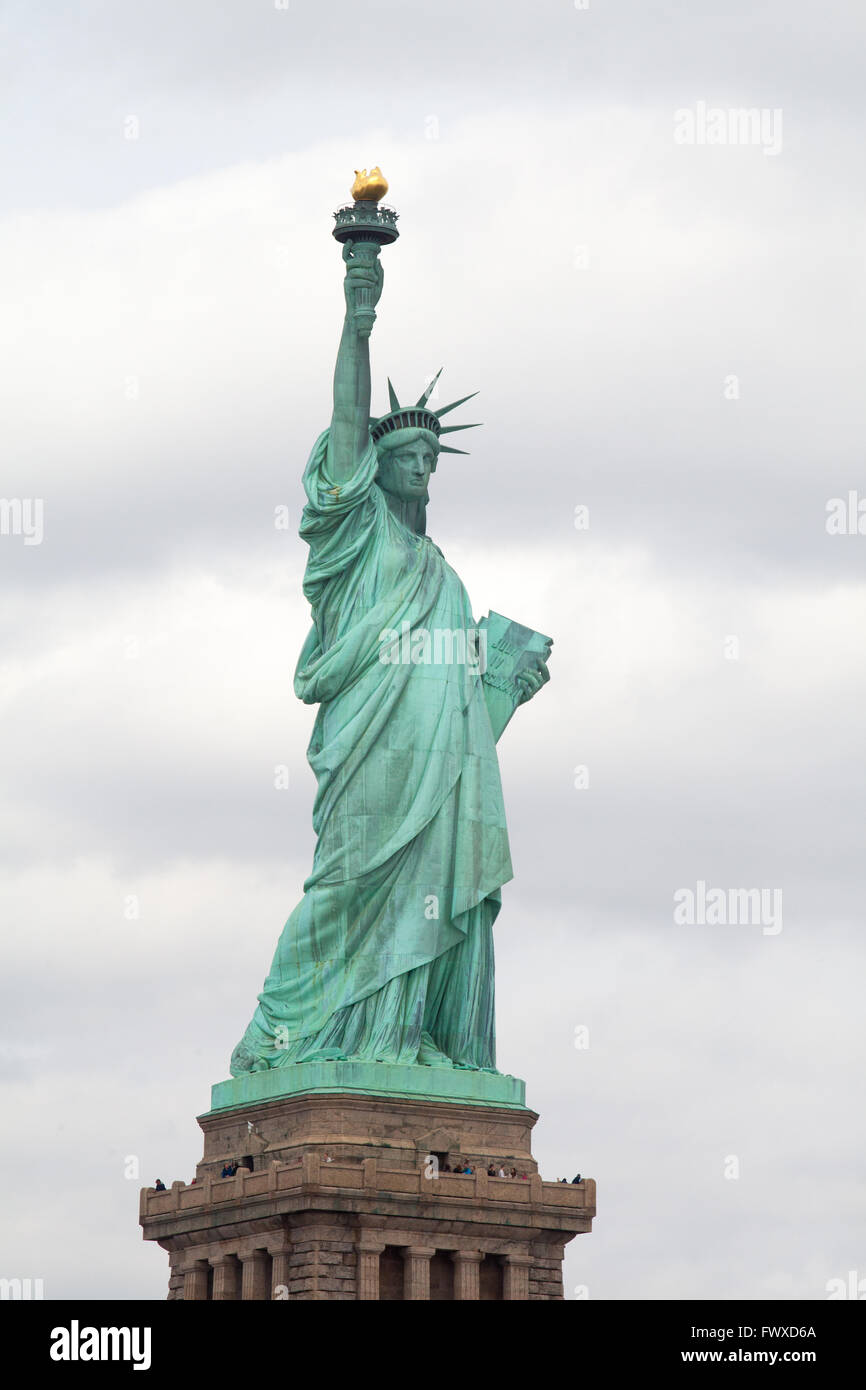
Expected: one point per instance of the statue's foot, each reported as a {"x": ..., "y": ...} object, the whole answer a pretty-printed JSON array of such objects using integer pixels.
[
  {"x": 328, "y": 1054},
  {"x": 429, "y": 1054},
  {"x": 243, "y": 1061}
]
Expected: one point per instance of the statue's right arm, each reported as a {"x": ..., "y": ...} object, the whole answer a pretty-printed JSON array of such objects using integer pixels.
[{"x": 350, "y": 423}]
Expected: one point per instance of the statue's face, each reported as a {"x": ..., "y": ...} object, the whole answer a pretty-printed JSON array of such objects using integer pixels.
[{"x": 405, "y": 471}]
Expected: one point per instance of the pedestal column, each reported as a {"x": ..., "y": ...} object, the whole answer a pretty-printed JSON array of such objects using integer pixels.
[
  {"x": 515, "y": 1280},
  {"x": 280, "y": 1270},
  {"x": 255, "y": 1275},
  {"x": 466, "y": 1264},
  {"x": 195, "y": 1282},
  {"x": 368, "y": 1269},
  {"x": 416, "y": 1271},
  {"x": 226, "y": 1277}
]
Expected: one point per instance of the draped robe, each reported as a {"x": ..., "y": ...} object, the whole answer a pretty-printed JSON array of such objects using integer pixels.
[{"x": 389, "y": 955}]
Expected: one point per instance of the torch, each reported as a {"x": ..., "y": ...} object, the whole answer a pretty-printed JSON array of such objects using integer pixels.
[{"x": 369, "y": 224}]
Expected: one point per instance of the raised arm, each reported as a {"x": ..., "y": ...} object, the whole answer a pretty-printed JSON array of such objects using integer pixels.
[{"x": 350, "y": 422}]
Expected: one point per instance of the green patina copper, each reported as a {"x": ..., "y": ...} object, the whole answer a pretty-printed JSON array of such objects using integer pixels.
[
  {"x": 388, "y": 958},
  {"x": 371, "y": 1078}
]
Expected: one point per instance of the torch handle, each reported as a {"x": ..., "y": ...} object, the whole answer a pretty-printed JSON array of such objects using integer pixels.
[{"x": 365, "y": 254}]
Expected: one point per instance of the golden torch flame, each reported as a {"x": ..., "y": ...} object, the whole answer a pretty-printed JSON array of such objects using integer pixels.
[{"x": 369, "y": 187}]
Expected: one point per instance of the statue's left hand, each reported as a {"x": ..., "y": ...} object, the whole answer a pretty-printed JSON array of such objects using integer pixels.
[{"x": 530, "y": 681}]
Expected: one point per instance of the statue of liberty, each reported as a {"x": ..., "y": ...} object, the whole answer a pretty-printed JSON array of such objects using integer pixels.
[{"x": 389, "y": 955}]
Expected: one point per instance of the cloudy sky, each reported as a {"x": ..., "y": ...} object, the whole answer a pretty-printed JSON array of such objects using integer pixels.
[{"x": 667, "y": 332}]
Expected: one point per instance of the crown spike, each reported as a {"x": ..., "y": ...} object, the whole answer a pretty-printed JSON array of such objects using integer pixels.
[
  {"x": 428, "y": 391},
  {"x": 419, "y": 416},
  {"x": 454, "y": 404}
]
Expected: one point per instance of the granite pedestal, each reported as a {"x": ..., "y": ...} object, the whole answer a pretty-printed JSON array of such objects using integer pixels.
[{"x": 343, "y": 1192}]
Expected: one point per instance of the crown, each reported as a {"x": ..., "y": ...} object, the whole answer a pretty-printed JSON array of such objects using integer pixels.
[{"x": 419, "y": 416}]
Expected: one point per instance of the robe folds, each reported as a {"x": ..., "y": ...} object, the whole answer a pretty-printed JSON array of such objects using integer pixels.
[{"x": 389, "y": 954}]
